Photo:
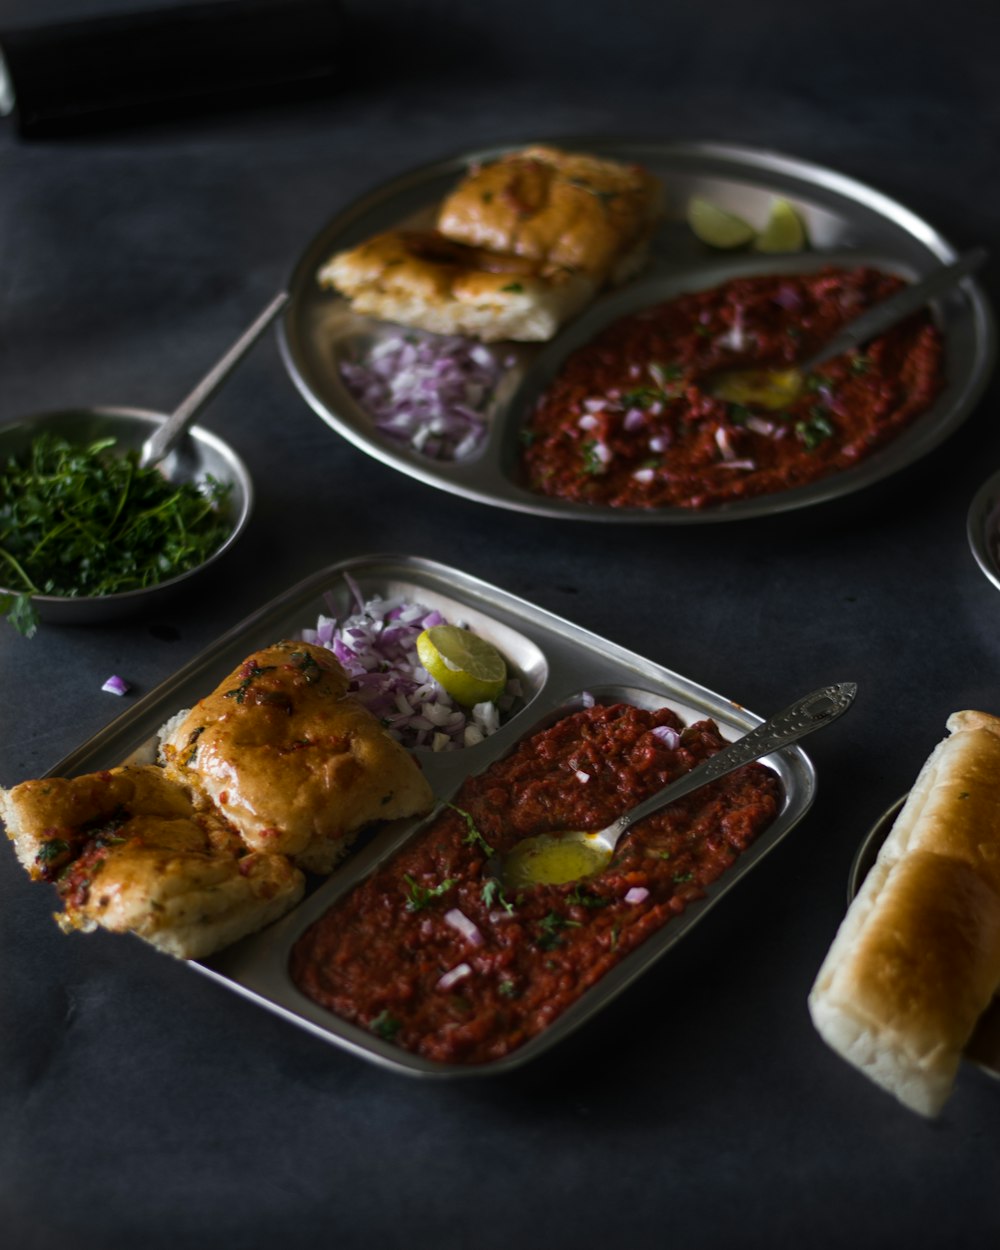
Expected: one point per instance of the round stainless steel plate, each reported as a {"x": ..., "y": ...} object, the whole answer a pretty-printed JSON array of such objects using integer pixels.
[
  {"x": 843, "y": 217},
  {"x": 871, "y": 844}
]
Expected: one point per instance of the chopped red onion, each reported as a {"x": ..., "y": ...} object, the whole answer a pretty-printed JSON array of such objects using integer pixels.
[
  {"x": 430, "y": 391},
  {"x": 637, "y": 894},
  {"x": 581, "y": 776},
  {"x": 669, "y": 737},
  {"x": 634, "y": 419},
  {"x": 455, "y": 974},
  {"x": 644, "y": 475},
  {"x": 115, "y": 685},
  {"x": 376, "y": 644},
  {"x": 461, "y": 922}
]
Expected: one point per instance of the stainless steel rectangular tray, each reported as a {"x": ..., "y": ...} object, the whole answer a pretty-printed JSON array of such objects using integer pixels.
[{"x": 556, "y": 662}]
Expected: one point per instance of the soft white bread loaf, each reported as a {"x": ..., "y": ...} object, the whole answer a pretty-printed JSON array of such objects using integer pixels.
[{"x": 917, "y": 959}]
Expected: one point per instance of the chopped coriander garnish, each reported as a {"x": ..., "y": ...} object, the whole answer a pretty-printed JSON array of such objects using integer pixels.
[
  {"x": 386, "y": 1025},
  {"x": 418, "y": 896},
  {"x": 493, "y": 894},
  {"x": 816, "y": 430},
  {"x": 473, "y": 837},
  {"x": 550, "y": 927}
]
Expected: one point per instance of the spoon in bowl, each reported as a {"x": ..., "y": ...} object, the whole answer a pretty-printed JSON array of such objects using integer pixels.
[
  {"x": 555, "y": 858},
  {"x": 774, "y": 389}
]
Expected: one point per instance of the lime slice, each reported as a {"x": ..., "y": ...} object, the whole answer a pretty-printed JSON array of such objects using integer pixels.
[
  {"x": 784, "y": 231},
  {"x": 716, "y": 227},
  {"x": 470, "y": 669}
]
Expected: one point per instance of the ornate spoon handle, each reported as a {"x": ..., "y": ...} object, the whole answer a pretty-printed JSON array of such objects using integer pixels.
[{"x": 813, "y": 711}]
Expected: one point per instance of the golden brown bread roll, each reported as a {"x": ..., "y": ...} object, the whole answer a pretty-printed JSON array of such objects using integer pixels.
[
  {"x": 282, "y": 751},
  {"x": 917, "y": 959},
  {"x": 565, "y": 209},
  {"x": 420, "y": 278},
  {"x": 520, "y": 245},
  {"x": 129, "y": 851}
]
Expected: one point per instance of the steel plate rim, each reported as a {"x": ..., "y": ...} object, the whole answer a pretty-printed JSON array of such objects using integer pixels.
[{"x": 979, "y": 532}]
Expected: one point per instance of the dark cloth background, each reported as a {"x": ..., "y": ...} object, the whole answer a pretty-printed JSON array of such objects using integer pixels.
[{"x": 140, "y": 1104}]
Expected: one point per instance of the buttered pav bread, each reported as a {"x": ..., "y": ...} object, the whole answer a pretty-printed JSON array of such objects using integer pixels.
[
  {"x": 129, "y": 851},
  {"x": 917, "y": 959},
  {"x": 423, "y": 279},
  {"x": 520, "y": 245},
  {"x": 296, "y": 763},
  {"x": 567, "y": 210}
]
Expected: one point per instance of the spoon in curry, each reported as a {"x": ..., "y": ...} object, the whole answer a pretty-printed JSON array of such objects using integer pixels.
[
  {"x": 775, "y": 388},
  {"x": 555, "y": 858}
]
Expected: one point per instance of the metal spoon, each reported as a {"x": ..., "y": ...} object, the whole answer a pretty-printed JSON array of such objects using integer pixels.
[
  {"x": 554, "y": 858},
  {"x": 775, "y": 388},
  {"x": 159, "y": 445}
]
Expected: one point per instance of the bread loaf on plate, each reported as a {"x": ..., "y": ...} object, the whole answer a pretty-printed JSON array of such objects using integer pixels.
[{"x": 916, "y": 960}]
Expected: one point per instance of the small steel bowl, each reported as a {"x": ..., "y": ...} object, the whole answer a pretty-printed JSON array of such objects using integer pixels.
[{"x": 199, "y": 455}]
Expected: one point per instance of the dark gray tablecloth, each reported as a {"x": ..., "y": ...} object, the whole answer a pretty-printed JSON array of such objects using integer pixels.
[{"x": 141, "y": 1105}]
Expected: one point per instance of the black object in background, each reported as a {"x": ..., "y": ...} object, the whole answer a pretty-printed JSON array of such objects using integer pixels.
[{"x": 107, "y": 70}]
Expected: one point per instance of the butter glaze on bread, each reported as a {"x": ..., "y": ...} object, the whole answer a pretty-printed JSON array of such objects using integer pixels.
[
  {"x": 917, "y": 959},
  {"x": 129, "y": 851},
  {"x": 563, "y": 209},
  {"x": 520, "y": 246},
  {"x": 420, "y": 278},
  {"x": 282, "y": 751}
]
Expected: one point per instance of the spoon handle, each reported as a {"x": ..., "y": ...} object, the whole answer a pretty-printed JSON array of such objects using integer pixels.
[
  {"x": 813, "y": 711},
  {"x": 889, "y": 311},
  {"x": 161, "y": 443}
]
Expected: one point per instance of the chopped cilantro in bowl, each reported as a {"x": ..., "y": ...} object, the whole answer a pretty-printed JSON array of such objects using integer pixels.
[{"x": 82, "y": 521}]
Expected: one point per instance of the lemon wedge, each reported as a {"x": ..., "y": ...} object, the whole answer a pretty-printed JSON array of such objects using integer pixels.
[
  {"x": 784, "y": 231},
  {"x": 715, "y": 226},
  {"x": 469, "y": 668}
]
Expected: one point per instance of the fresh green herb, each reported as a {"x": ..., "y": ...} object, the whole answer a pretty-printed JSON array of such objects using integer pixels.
[
  {"x": 816, "y": 430},
  {"x": 550, "y": 927},
  {"x": 662, "y": 374},
  {"x": 52, "y": 850},
  {"x": 814, "y": 382},
  {"x": 473, "y": 837},
  {"x": 239, "y": 692},
  {"x": 584, "y": 898},
  {"x": 419, "y": 896},
  {"x": 507, "y": 989},
  {"x": 527, "y": 437},
  {"x": 860, "y": 363},
  {"x": 592, "y": 462},
  {"x": 615, "y": 930},
  {"x": 682, "y": 878},
  {"x": 493, "y": 895},
  {"x": 386, "y": 1025},
  {"x": 306, "y": 664},
  {"x": 514, "y": 287},
  {"x": 738, "y": 414},
  {"x": 80, "y": 521}
]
